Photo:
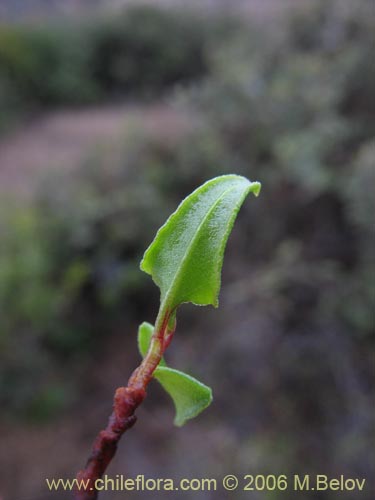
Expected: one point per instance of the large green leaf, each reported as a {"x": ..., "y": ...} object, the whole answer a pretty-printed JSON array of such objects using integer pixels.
[
  {"x": 190, "y": 396},
  {"x": 186, "y": 256}
]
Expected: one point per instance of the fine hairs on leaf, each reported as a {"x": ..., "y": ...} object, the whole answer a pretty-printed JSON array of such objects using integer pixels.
[{"x": 184, "y": 261}]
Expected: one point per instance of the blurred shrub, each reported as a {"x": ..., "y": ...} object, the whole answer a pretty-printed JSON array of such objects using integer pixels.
[
  {"x": 46, "y": 65},
  {"x": 146, "y": 50},
  {"x": 138, "y": 53}
]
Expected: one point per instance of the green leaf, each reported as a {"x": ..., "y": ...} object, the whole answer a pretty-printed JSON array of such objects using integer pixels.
[
  {"x": 186, "y": 256},
  {"x": 190, "y": 396},
  {"x": 145, "y": 332}
]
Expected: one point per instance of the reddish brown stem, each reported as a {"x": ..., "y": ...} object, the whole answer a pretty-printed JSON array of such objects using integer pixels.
[{"x": 126, "y": 401}]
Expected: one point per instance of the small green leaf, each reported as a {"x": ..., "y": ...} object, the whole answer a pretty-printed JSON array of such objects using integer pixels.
[
  {"x": 190, "y": 396},
  {"x": 186, "y": 256},
  {"x": 145, "y": 332}
]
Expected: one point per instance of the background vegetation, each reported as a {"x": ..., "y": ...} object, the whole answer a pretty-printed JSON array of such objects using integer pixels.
[
  {"x": 137, "y": 53},
  {"x": 290, "y": 354}
]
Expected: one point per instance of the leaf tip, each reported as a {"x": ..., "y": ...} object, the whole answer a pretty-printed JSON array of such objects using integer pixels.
[
  {"x": 255, "y": 188},
  {"x": 181, "y": 419}
]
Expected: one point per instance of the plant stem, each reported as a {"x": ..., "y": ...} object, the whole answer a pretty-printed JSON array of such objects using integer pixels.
[{"x": 126, "y": 401}]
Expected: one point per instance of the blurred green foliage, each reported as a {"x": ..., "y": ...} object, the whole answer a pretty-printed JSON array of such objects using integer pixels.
[
  {"x": 42, "y": 67},
  {"x": 148, "y": 50},
  {"x": 293, "y": 110},
  {"x": 138, "y": 53}
]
